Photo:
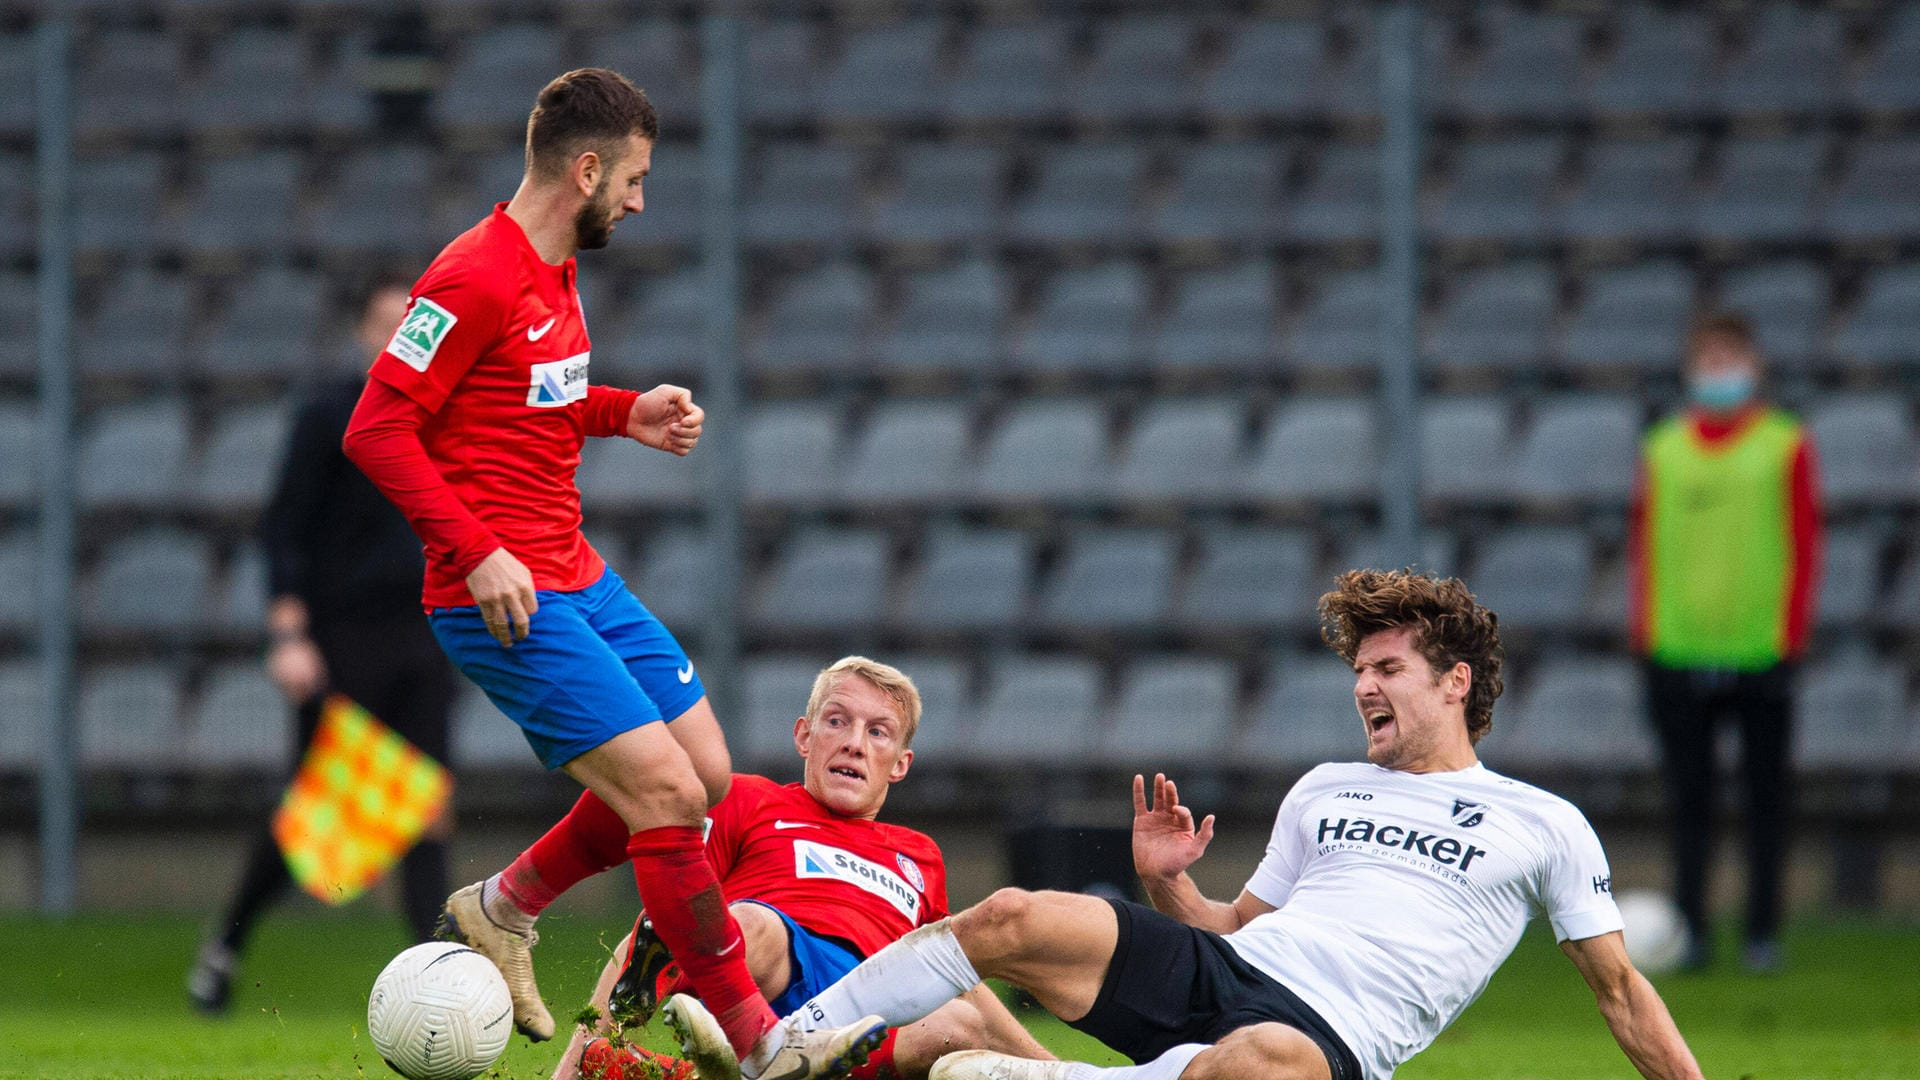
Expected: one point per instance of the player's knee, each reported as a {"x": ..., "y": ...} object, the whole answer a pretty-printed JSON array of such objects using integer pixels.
[
  {"x": 671, "y": 795},
  {"x": 1267, "y": 1050},
  {"x": 996, "y": 928}
]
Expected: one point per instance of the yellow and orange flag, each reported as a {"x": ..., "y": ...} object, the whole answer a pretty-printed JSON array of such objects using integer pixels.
[{"x": 361, "y": 797}]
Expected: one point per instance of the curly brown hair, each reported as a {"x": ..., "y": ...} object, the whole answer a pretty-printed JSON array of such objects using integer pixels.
[{"x": 1449, "y": 626}]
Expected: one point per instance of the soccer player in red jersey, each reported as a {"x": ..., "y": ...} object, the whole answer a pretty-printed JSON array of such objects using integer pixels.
[
  {"x": 815, "y": 880},
  {"x": 471, "y": 423}
]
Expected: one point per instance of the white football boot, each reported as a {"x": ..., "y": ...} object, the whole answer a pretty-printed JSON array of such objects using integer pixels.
[
  {"x": 803, "y": 1055},
  {"x": 992, "y": 1065}
]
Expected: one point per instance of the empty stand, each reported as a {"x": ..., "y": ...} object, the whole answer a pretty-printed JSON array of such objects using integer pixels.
[
  {"x": 1763, "y": 189},
  {"x": 1270, "y": 68},
  {"x": 1172, "y": 710},
  {"x": 1787, "y": 302},
  {"x": 1499, "y": 190},
  {"x": 1865, "y": 447},
  {"x": 969, "y": 579},
  {"x": 133, "y": 455},
  {"x": 1534, "y": 577},
  {"x": 943, "y": 193},
  {"x": 1528, "y": 67},
  {"x": 1639, "y": 189},
  {"x": 1011, "y": 72},
  {"x": 803, "y": 193},
  {"x": 621, "y": 474},
  {"x": 824, "y": 579},
  {"x": 236, "y": 471},
  {"x": 1632, "y": 317},
  {"x": 129, "y": 716},
  {"x": 1304, "y": 717},
  {"x": 1661, "y": 63},
  {"x": 949, "y": 320},
  {"x": 1851, "y": 712},
  {"x": 241, "y": 721},
  {"x": 22, "y": 715},
  {"x": 1182, "y": 451},
  {"x": 1580, "y": 448},
  {"x": 1791, "y": 62},
  {"x": 1579, "y": 713},
  {"x": 674, "y": 575},
  {"x": 885, "y": 73},
  {"x": 1111, "y": 578},
  {"x": 1087, "y": 320},
  {"x": 1137, "y": 71},
  {"x": 155, "y": 580},
  {"x": 267, "y": 326},
  {"x": 791, "y": 452},
  {"x": 1219, "y": 320},
  {"x": 1496, "y": 317},
  {"x": 1083, "y": 193},
  {"x": 1318, "y": 449},
  {"x": 911, "y": 452},
  {"x": 1466, "y": 449},
  {"x": 817, "y": 321},
  {"x": 1038, "y": 711},
  {"x": 1884, "y": 326},
  {"x": 1251, "y": 579}
]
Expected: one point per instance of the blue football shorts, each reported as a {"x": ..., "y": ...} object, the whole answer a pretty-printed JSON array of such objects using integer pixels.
[
  {"x": 595, "y": 663},
  {"x": 818, "y": 962}
]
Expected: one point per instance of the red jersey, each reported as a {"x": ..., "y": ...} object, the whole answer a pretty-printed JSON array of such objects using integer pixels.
[
  {"x": 862, "y": 882},
  {"x": 494, "y": 350}
]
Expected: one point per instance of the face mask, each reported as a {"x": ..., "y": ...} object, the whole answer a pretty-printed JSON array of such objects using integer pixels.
[{"x": 1722, "y": 393}]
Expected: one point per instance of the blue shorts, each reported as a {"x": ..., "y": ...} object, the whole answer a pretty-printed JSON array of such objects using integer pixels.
[
  {"x": 818, "y": 962},
  {"x": 596, "y": 663}
]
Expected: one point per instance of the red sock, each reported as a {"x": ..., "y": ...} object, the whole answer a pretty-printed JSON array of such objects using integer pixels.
[
  {"x": 671, "y": 981},
  {"x": 591, "y": 839},
  {"x": 682, "y": 897},
  {"x": 879, "y": 1065}
]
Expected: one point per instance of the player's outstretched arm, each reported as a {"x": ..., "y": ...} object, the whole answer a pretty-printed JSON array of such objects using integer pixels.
[
  {"x": 1165, "y": 843},
  {"x": 666, "y": 418},
  {"x": 1633, "y": 1010}
]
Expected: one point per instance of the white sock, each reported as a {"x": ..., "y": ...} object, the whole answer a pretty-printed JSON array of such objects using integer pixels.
[
  {"x": 1167, "y": 1066},
  {"x": 502, "y": 910},
  {"x": 761, "y": 1055},
  {"x": 900, "y": 984}
]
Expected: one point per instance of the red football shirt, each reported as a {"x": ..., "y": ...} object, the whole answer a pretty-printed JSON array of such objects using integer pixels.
[
  {"x": 862, "y": 882},
  {"x": 494, "y": 350}
]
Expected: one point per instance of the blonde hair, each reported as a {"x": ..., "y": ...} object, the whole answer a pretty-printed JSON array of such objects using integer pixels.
[{"x": 891, "y": 680}]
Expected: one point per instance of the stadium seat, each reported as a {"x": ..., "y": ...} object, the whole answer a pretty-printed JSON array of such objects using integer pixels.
[
  {"x": 240, "y": 605},
  {"x": 817, "y": 321},
  {"x": 1578, "y": 712},
  {"x": 1631, "y": 317},
  {"x": 1138, "y": 70},
  {"x": 675, "y": 200},
  {"x": 1661, "y": 63},
  {"x": 1850, "y": 586},
  {"x": 1305, "y": 717},
  {"x": 1340, "y": 202},
  {"x": 1087, "y": 321},
  {"x": 792, "y": 452},
  {"x": 267, "y": 326},
  {"x": 236, "y": 471},
  {"x": 1787, "y": 303},
  {"x": 1496, "y": 317},
  {"x": 1633, "y": 189},
  {"x": 1528, "y": 68},
  {"x": 19, "y": 445},
  {"x": 1498, "y": 190},
  {"x": 1110, "y": 578},
  {"x": 1038, "y": 711},
  {"x": 23, "y": 721},
  {"x": 1172, "y": 710},
  {"x": 255, "y": 82},
  {"x": 1438, "y": 554},
  {"x": 622, "y": 475},
  {"x": 1318, "y": 449},
  {"x": 968, "y": 579},
  {"x": 773, "y": 695},
  {"x": 1901, "y": 607},
  {"x": 1763, "y": 189},
  {"x": 1225, "y": 193},
  {"x": 19, "y": 222},
  {"x": 911, "y": 452},
  {"x": 484, "y": 738},
  {"x": 1012, "y": 72},
  {"x": 657, "y": 52},
  {"x": 1083, "y": 193},
  {"x": 495, "y": 75},
  {"x": 803, "y": 193},
  {"x": 1851, "y": 713},
  {"x": 1792, "y": 62},
  {"x": 19, "y": 329},
  {"x": 676, "y": 577},
  {"x": 1271, "y": 68},
  {"x": 1339, "y": 324},
  {"x": 1884, "y": 326},
  {"x": 1534, "y": 576},
  {"x": 944, "y": 193},
  {"x": 1888, "y": 77},
  {"x": 157, "y": 580},
  {"x": 129, "y": 716},
  {"x": 948, "y": 725},
  {"x": 825, "y": 579},
  {"x": 118, "y": 204},
  {"x": 658, "y": 329},
  {"x": 1182, "y": 451},
  {"x": 137, "y": 328},
  {"x": 1581, "y": 447},
  {"x": 17, "y": 84},
  {"x": 949, "y": 320},
  {"x": 1219, "y": 320},
  {"x": 244, "y": 203},
  {"x": 241, "y": 721},
  {"x": 1251, "y": 578},
  {"x": 340, "y": 103},
  {"x": 1873, "y": 199},
  {"x": 885, "y": 73},
  {"x": 1466, "y": 450},
  {"x": 19, "y": 562},
  {"x": 381, "y": 202},
  {"x": 781, "y": 85},
  {"x": 128, "y": 85},
  {"x": 132, "y": 455},
  {"x": 1864, "y": 443}
]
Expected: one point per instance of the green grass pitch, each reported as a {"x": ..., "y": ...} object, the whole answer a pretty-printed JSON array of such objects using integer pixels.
[{"x": 102, "y": 997}]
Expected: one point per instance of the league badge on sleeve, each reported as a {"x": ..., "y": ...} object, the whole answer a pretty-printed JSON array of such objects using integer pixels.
[{"x": 421, "y": 333}]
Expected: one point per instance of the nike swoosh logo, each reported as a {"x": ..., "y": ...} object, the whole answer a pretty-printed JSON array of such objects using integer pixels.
[
  {"x": 686, "y": 674},
  {"x": 799, "y": 1072},
  {"x": 534, "y": 334},
  {"x": 778, "y": 824}
]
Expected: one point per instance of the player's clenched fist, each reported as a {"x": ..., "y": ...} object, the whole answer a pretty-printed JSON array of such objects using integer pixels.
[
  {"x": 503, "y": 588},
  {"x": 666, "y": 418}
]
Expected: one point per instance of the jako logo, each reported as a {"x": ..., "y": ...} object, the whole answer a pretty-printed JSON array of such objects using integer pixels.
[
  {"x": 1441, "y": 849},
  {"x": 1363, "y": 796}
]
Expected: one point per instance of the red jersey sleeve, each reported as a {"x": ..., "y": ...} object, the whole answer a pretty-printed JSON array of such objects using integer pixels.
[
  {"x": 383, "y": 439},
  {"x": 459, "y": 310},
  {"x": 1637, "y": 599},
  {"x": 1806, "y": 512},
  {"x": 607, "y": 409}
]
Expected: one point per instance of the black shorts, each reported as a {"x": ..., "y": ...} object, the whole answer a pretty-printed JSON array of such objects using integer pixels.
[{"x": 1170, "y": 984}]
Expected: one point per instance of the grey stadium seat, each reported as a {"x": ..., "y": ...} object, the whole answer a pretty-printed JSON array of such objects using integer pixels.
[
  {"x": 1851, "y": 711},
  {"x": 1438, "y": 554},
  {"x": 1873, "y": 199},
  {"x": 1884, "y": 326},
  {"x": 1225, "y": 193},
  {"x": 825, "y": 579},
  {"x": 1220, "y": 319},
  {"x": 885, "y": 73},
  {"x": 1172, "y": 710},
  {"x": 1182, "y": 451},
  {"x": 656, "y": 51},
  {"x": 1580, "y": 712},
  {"x": 116, "y": 203},
  {"x": 792, "y": 452},
  {"x": 1499, "y": 190},
  {"x": 1633, "y": 189},
  {"x": 1763, "y": 189},
  {"x": 137, "y": 328},
  {"x": 1039, "y": 711},
  {"x": 158, "y": 579},
  {"x": 129, "y": 717},
  {"x": 817, "y": 321},
  {"x": 241, "y": 721},
  {"x": 675, "y": 199},
  {"x": 267, "y": 326},
  {"x": 948, "y": 725},
  {"x": 1660, "y": 65},
  {"x": 1580, "y": 447},
  {"x": 1865, "y": 444},
  {"x": 659, "y": 328},
  {"x": 1529, "y": 67},
  {"x": 968, "y": 579},
  {"x": 22, "y": 720},
  {"x": 244, "y": 203},
  {"x": 241, "y": 600},
  {"x": 18, "y": 108},
  {"x": 1112, "y": 578},
  {"x": 620, "y": 474},
  {"x": 1051, "y": 450},
  {"x": 1888, "y": 78},
  {"x": 1087, "y": 321},
  {"x": 339, "y": 103},
  {"x": 1084, "y": 193},
  {"x": 19, "y": 220},
  {"x": 381, "y": 202},
  {"x": 1632, "y": 317},
  {"x": 949, "y": 320},
  {"x": 19, "y": 327},
  {"x": 675, "y": 576},
  {"x": 782, "y": 84},
  {"x": 256, "y": 81},
  {"x": 128, "y": 84},
  {"x": 1901, "y": 609},
  {"x": 1849, "y": 577},
  {"x": 1466, "y": 450},
  {"x": 944, "y": 193},
  {"x": 19, "y": 562},
  {"x": 1792, "y": 62},
  {"x": 132, "y": 455},
  {"x": 1339, "y": 325},
  {"x": 495, "y": 74},
  {"x": 1138, "y": 70},
  {"x": 774, "y": 694},
  {"x": 1318, "y": 449},
  {"x": 1787, "y": 302},
  {"x": 1251, "y": 578},
  {"x": 1495, "y": 317},
  {"x": 804, "y": 193},
  {"x": 1271, "y": 67},
  {"x": 1535, "y": 577},
  {"x": 911, "y": 452},
  {"x": 19, "y": 445},
  {"x": 484, "y": 738},
  {"x": 1341, "y": 200},
  {"x": 237, "y": 469},
  {"x": 1304, "y": 717},
  {"x": 1012, "y": 72}
]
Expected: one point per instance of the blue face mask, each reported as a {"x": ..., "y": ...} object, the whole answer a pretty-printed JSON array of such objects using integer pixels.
[{"x": 1722, "y": 393}]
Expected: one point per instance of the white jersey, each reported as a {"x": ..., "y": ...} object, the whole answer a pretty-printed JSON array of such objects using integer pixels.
[{"x": 1399, "y": 893}]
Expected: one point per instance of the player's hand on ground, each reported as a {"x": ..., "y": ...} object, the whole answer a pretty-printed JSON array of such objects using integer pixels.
[
  {"x": 666, "y": 418},
  {"x": 296, "y": 667},
  {"x": 503, "y": 587},
  {"x": 1165, "y": 841}
]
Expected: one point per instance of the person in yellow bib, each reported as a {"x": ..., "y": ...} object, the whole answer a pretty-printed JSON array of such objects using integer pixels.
[{"x": 1723, "y": 548}]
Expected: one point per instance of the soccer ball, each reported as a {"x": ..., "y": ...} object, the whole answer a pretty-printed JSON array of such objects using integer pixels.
[
  {"x": 1656, "y": 935},
  {"x": 440, "y": 1011}
]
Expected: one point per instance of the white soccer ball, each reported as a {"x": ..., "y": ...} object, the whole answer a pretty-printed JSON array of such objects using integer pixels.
[
  {"x": 1656, "y": 934},
  {"x": 440, "y": 1011}
]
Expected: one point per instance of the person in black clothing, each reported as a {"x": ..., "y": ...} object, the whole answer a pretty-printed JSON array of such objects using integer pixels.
[{"x": 344, "y": 574}]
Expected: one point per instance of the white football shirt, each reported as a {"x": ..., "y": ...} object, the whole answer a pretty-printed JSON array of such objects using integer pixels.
[{"x": 1400, "y": 893}]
